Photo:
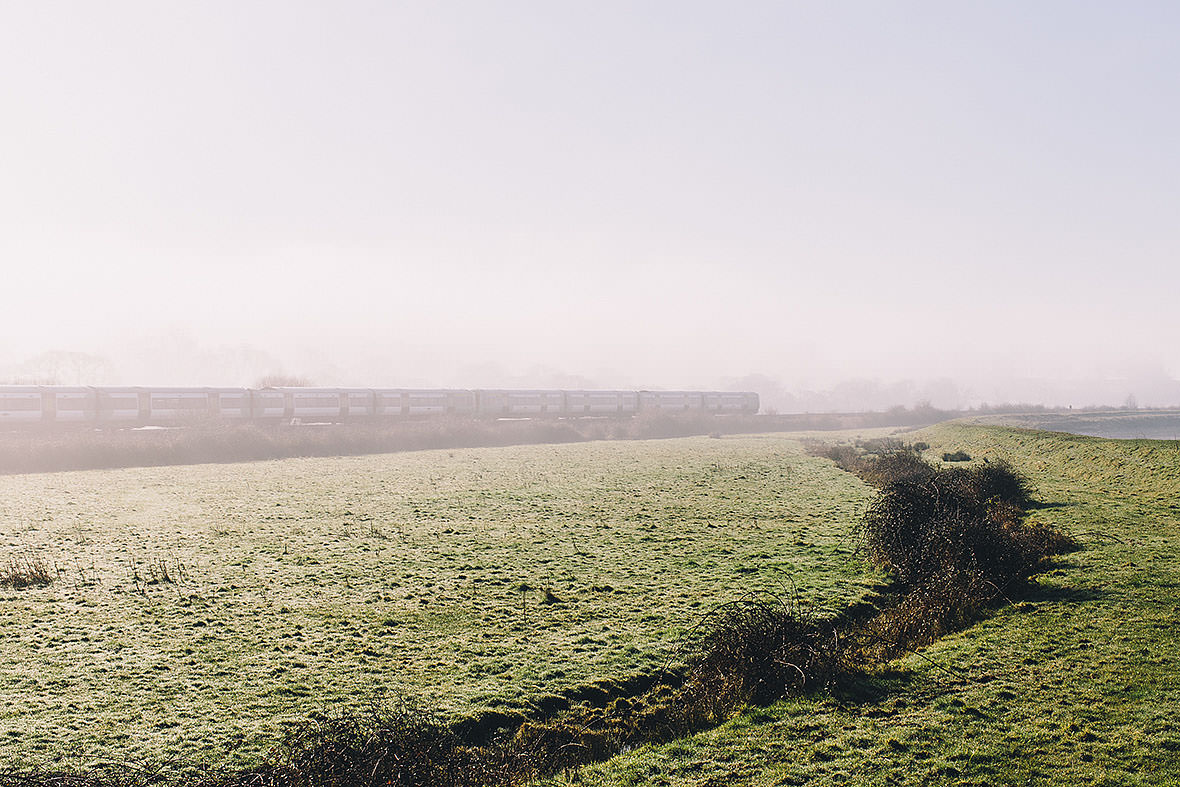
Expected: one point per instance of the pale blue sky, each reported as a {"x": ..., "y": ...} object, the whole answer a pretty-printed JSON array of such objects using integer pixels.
[{"x": 651, "y": 193}]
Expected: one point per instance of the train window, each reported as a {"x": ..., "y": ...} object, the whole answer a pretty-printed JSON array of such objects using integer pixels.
[
  {"x": 20, "y": 403},
  {"x": 180, "y": 403},
  {"x": 317, "y": 401}
]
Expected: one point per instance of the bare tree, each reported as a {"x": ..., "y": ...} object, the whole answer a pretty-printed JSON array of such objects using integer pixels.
[
  {"x": 282, "y": 381},
  {"x": 61, "y": 367}
]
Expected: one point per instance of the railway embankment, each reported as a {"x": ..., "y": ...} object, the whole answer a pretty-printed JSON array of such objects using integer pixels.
[{"x": 39, "y": 451}]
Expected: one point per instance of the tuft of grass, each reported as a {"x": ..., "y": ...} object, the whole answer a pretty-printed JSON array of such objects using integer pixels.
[{"x": 26, "y": 570}]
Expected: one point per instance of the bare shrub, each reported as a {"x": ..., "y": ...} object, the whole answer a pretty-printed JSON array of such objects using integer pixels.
[
  {"x": 947, "y": 602},
  {"x": 882, "y": 445},
  {"x": 400, "y": 746},
  {"x": 760, "y": 648},
  {"x": 846, "y": 457},
  {"x": 879, "y": 461},
  {"x": 953, "y": 541},
  {"x": 280, "y": 380},
  {"x": 952, "y": 520},
  {"x": 999, "y": 480},
  {"x": 893, "y": 467}
]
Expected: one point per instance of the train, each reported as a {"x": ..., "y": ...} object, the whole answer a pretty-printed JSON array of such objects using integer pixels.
[{"x": 102, "y": 406}]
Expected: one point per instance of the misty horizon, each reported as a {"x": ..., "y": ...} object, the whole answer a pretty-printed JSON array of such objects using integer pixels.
[
  {"x": 244, "y": 366},
  {"x": 850, "y": 207}
]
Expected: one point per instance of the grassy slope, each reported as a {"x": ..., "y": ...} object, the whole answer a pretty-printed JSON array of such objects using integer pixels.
[
  {"x": 1078, "y": 685},
  {"x": 1123, "y": 424},
  {"x": 320, "y": 582}
]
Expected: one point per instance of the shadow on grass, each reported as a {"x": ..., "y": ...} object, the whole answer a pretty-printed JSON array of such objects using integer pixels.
[
  {"x": 1062, "y": 595},
  {"x": 1036, "y": 505},
  {"x": 872, "y": 689}
]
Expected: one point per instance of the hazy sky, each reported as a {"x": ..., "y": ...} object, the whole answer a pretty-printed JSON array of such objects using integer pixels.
[{"x": 658, "y": 193}]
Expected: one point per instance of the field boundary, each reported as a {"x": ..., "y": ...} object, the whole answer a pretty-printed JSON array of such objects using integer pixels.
[{"x": 58, "y": 451}]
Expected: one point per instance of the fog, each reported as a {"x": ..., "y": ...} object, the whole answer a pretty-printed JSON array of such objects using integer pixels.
[{"x": 842, "y": 206}]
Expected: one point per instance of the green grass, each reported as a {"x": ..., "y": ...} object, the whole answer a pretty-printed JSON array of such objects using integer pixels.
[
  {"x": 1079, "y": 684},
  {"x": 307, "y": 585}
]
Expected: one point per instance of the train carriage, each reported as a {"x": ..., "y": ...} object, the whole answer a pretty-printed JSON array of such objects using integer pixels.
[
  {"x": 169, "y": 405},
  {"x": 231, "y": 403},
  {"x": 601, "y": 402},
  {"x": 739, "y": 402},
  {"x": 313, "y": 404},
  {"x": 123, "y": 406},
  {"x": 359, "y": 402},
  {"x": 440, "y": 402},
  {"x": 424, "y": 401},
  {"x": 21, "y": 404},
  {"x": 186, "y": 405},
  {"x": 389, "y": 402},
  {"x": 69, "y": 405},
  {"x": 671, "y": 401},
  {"x": 268, "y": 404},
  {"x": 519, "y": 403}
]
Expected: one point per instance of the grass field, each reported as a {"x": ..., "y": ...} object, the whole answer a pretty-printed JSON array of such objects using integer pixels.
[
  {"x": 1077, "y": 684},
  {"x": 200, "y": 611}
]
